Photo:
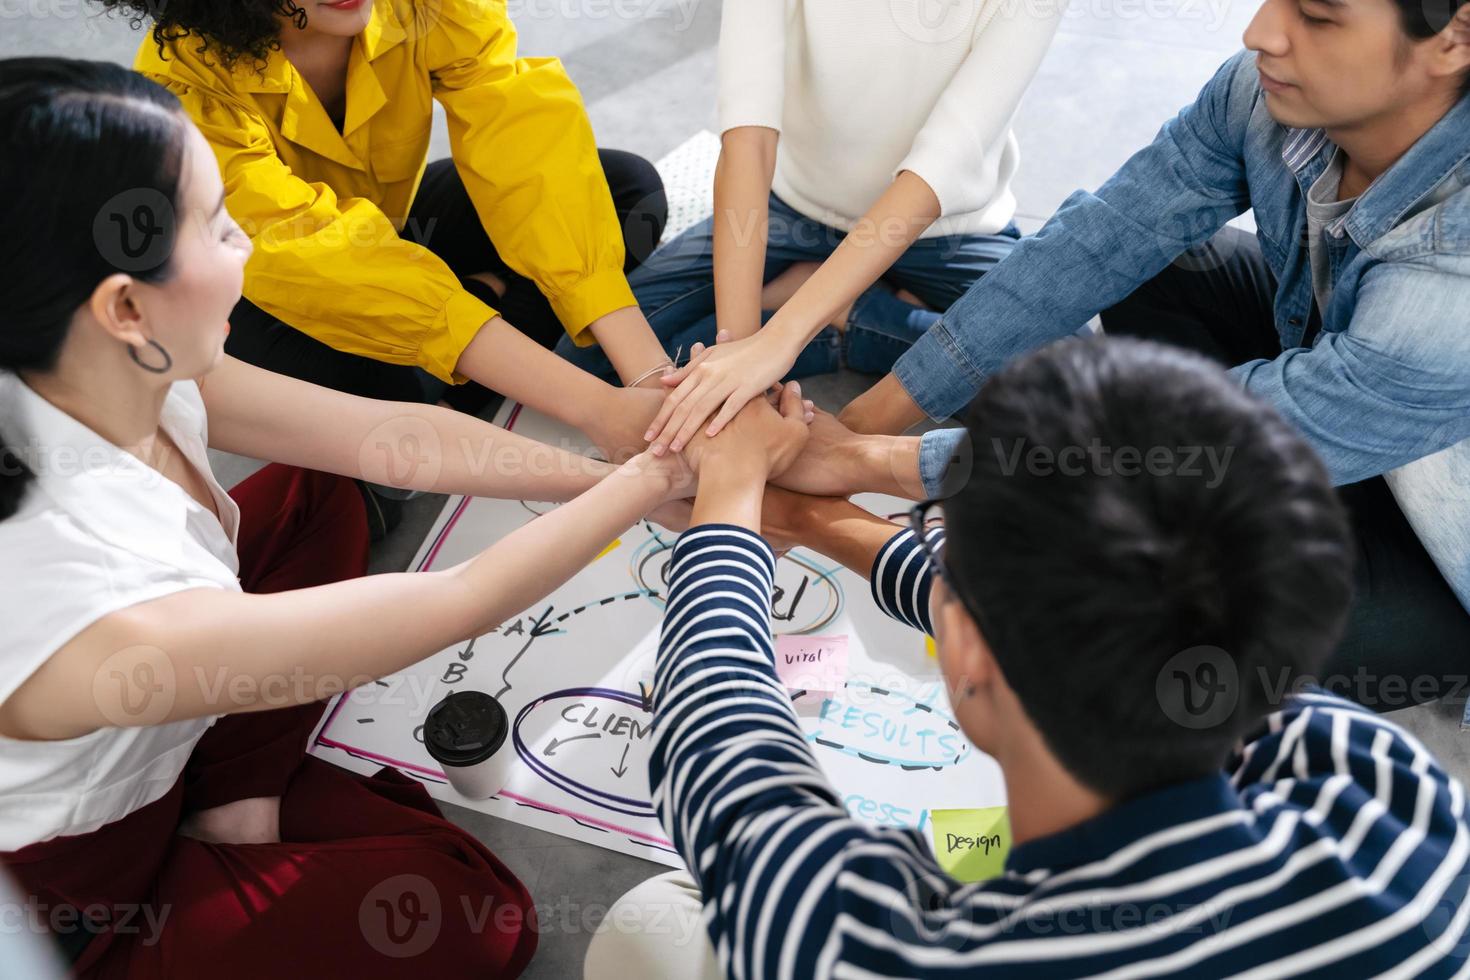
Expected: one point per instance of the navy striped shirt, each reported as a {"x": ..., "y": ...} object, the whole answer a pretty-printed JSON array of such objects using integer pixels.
[{"x": 1332, "y": 844}]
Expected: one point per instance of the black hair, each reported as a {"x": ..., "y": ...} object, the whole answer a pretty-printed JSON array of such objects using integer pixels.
[
  {"x": 240, "y": 29},
  {"x": 91, "y": 170},
  {"x": 1089, "y": 578},
  {"x": 1423, "y": 19}
]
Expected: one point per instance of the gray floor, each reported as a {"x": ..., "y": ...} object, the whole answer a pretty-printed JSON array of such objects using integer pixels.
[{"x": 1117, "y": 70}]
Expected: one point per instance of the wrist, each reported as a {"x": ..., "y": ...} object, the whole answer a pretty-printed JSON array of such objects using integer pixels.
[
  {"x": 664, "y": 477},
  {"x": 729, "y": 496},
  {"x": 599, "y": 404},
  {"x": 785, "y": 336},
  {"x": 888, "y": 464},
  {"x": 724, "y": 467}
]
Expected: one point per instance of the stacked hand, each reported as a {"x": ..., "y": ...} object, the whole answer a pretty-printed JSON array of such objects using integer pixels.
[
  {"x": 719, "y": 381},
  {"x": 763, "y": 440}
]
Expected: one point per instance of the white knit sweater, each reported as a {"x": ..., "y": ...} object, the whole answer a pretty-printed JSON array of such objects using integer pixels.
[{"x": 862, "y": 89}]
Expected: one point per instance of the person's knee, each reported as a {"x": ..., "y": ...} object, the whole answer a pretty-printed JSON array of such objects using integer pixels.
[{"x": 654, "y": 931}]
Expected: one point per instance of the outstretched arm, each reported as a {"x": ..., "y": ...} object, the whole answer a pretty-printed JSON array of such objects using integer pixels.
[
  {"x": 264, "y": 415},
  {"x": 209, "y": 651},
  {"x": 890, "y": 557},
  {"x": 733, "y": 776},
  {"x": 715, "y": 386}
]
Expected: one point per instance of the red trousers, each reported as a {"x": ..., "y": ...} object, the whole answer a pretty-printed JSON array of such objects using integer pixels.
[{"x": 369, "y": 880}]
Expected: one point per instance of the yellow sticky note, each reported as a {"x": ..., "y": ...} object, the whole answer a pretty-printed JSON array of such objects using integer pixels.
[
  {"x": 930, "y": 648},
  {"x": 971, "y": 844},
  {"x": 609, "y": 548}
]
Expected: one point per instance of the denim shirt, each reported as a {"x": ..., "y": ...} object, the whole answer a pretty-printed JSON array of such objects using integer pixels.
[{"x": 1382, "y": 388}]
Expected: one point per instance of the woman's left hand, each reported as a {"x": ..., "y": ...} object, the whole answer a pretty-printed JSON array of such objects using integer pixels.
[{"x": 718, "y": 381}]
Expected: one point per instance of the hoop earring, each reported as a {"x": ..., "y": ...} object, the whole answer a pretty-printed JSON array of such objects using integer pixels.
[
  {"x": 168, "y": 361},
  {"x": 296, "y": 14}
]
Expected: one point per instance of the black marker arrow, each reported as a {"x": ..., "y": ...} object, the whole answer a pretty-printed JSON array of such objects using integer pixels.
[
  {"x": 622, "y": 764},
  {"x": 552, "y": 745}
]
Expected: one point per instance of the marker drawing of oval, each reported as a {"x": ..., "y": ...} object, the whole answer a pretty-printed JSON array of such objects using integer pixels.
[
  {"x": 589, "y": 742},
  {"x": 889, "y": 728},
  {"x": 806, "y": 599}
]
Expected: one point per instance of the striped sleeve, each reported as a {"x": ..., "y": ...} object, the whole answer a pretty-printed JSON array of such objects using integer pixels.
[
  {"x": 779, "y": 862},
  {"x": 1333, "y": 841},
  {"x": 902, "y": 578}
]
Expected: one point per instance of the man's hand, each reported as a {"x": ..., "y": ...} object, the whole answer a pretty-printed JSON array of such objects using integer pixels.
[
  {"x": 734, "y": 466},
  {"x": 786, "y": 517},
  {"x": 764, "y": 439},
  {"x": 674, "y": 515},
  {"x": 839, "y": 462}
]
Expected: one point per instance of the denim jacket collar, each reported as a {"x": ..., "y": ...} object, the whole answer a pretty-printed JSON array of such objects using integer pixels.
[
  {"x": 1306, "y": 153},
  {"x": 1432, "y": 158}
]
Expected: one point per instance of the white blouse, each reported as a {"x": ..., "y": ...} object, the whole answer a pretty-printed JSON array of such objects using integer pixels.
[
  {"x": 97, "y": 531},
  {"x": 863, "y": 89}
]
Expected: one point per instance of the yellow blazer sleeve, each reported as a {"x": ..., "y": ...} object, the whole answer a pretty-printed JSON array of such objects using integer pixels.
[
  {"x": 334, "y": 268},
  {"x": 523, "y": 145}
]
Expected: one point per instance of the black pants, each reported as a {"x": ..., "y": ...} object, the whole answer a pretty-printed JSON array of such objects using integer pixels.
[
  {"x": 443, "y": 219},
  {"x": 1408, "y": 637}
]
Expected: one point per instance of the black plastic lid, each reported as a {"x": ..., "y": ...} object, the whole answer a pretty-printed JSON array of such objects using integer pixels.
[{"x": 465, "y": 728}]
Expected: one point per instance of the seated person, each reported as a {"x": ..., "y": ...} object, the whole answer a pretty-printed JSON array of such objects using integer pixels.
[
  {"x": 368, "y": 265},
  {"x": 166, "y": 645},
  {"x": 896, "y": 159},
  {"x": 1160, "y": 827},
  {"x": 1347, "y": 130}
]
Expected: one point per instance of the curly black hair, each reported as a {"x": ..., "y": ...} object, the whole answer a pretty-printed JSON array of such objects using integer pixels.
[{"x": 231, "y": 31}]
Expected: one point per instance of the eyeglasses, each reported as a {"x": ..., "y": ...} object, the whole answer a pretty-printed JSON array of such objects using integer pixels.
[{"x": 921, "y": 518}]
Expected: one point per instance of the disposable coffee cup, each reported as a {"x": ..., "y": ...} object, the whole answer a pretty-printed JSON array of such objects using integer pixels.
[{"x": 466, "y": 734}]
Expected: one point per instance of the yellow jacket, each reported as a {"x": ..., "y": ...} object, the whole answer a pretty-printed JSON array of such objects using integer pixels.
[{"x": 324, "y": 209}]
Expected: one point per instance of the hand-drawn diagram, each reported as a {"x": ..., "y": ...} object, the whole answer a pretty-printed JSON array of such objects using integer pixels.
[{"x": 576, "y": 669}]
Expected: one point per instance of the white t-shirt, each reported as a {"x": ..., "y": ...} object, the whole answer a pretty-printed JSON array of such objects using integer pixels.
[
  {"x": 862, "y": 89},
  {"x": 97, "y": 531}
]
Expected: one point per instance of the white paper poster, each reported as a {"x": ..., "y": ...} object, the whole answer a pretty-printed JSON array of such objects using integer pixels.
[{"x": 573, "y": 672}]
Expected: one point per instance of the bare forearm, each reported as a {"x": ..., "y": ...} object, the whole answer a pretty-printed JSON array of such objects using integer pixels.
[
  {"x": 844, "y": 532},
  {"x": 906, "y": 209},
  {"x": 209, "y": 651},
  {"x": 729, "y": 496},
  {"x": 742, "y": 208},
  {"x": 424, "y": 447},
  {"x": 269, "y": 416},
  {"x": 505, "y": 360},
  {"x": 884, "y": 408},
  {"x": 630, "y": 344},
  {"x": 537, "y": 558}
]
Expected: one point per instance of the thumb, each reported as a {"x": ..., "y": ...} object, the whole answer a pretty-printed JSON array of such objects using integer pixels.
[
  {"x": 722, "y": 336},
  {"x": 672, "y": 379},
  {"x": 791, "y": 403}
]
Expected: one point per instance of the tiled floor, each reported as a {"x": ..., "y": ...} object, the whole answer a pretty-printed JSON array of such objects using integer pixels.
[{"x": 1117, "y": 70}]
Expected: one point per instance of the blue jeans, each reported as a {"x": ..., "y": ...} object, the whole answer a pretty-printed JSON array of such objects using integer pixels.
[{"x": 676, "y": 289}]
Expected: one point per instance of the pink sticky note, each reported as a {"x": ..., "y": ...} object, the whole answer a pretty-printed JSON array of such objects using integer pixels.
[{"x": 812, "y": 663}]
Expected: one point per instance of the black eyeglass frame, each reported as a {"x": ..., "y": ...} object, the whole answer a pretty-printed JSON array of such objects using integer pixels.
[{"x": 918, "y": 523}]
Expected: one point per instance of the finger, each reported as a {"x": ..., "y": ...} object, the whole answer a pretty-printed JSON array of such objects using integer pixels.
[
  {"x": 733, "y": 404},
  {"x": 710, "y": 399},
  {"x": 696, "y": 358},
  {"x": 791, "y": 403},
  {"x": 722, "y": 336},
  {"x": 809, "y": 405},
  {"x": 679, "y": 420},
  {"x": 677, "y": 376},
  {"x": 660, "y": 421}
]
